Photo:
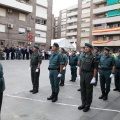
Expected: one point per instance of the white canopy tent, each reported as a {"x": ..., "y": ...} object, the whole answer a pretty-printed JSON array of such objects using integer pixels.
[{"x": 63, "y": 43}]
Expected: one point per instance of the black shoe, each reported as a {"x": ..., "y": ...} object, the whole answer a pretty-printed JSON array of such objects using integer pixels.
[
  {"x": 81, "y": 107},
  {"x": 115, "y": 89},
  {"x": 106, "y": 96},
  {"x": 55, "y": 97},
  {"x": 102, "y": 96},
  {"x": 34, "y": 92},
  {"x": 71, "y": 80},
  {"x": 86, "y": 109},
  {"x": 79, "y": 90},
  {"x": 31, "y": 90},
  {"x": 61, "y": 85},
  {"x": 51, "y": 97}
]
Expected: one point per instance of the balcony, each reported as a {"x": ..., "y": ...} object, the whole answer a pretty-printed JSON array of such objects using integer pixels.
[
  {"x": 17, "y": 5},
  {"x": 86, "y": 15},
  {"x": 72, "y": 27},
  {"x": 72, "y": 14},
  {"x": 106, "y": 20},
  {"x": 43, "y": 3},
  {"x": 71, "y": 33},
  {"x": 63, "y": 29},
  {"x": 106, "y": 42},
  {"x": 106, "y": 31},
  {"x": 99, "y": 1},
  {"x": 85, "y": 34},
  {"x": 84, "y": 25},
  {"x": 40, "y": 27},
  {"x": 40, "y": 40},
  {"x": 41, "y": 15},
  {"x": 73, "y": 7},
  {"x": 72, "y": 20},
  {"x": 86, "y": 5},
  {"x": 106, "y": 8}
]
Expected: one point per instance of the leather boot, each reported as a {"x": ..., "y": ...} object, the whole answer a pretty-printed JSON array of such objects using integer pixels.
[
  {"x": 51, "y": 97},
  {"x": 106, "y": 96},
  {"x": 55, "y": 97},
  {"x": 102, "y": 96}
]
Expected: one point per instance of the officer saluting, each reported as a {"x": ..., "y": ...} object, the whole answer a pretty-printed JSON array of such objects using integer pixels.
[
  {"x": 107, "y": 67},
  {"x": 55, "y": 70},
  {"x": 88, "y": 72},
  {"x": 36, "y": 60}
]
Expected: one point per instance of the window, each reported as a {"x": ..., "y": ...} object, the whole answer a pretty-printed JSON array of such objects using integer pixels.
[
  {"x": 40, "y": 34},
  {"x": 40, "y": 21},
  {"x": 2, "y": 28},
  {"x": 21, "y": 30},
  {"x": 84, "y": 11},
  {"x": 22, "y": 17},
  {"x": 2, "y": 12}
]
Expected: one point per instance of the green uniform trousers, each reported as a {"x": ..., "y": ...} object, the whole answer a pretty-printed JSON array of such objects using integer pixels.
[
  {"x": 105, "y": 80},
  {"x": 73, "y": 72},
  {"x": 86, "y": 88},
  {"x": 54, "y": 80},
  {"x": 35, "y": 78},
  {"x": 117, "y": 79},
  {"x": 63, "y": 75}
]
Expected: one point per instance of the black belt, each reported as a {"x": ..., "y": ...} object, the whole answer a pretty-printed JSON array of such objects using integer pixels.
[
  {"x": 86, "y": 71},
  {"x": 53, "y": 68},
  {"x": 104, "y": 69}
]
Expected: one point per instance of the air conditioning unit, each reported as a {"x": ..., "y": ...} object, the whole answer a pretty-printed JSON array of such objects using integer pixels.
[
  {"x": 28, "y": 29},
  {"x": 10, "y": 26},
  {"x": 10, "y": 11}
]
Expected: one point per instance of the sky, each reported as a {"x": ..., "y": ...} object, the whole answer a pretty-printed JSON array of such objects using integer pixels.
[{"x": 62, "y": 4}]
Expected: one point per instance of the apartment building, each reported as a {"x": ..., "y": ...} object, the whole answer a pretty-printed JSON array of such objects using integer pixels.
[
  {"x": 25, "y": 22},
  {"x": 106, "y": 23},
  {"x": 93, "y": 21}
]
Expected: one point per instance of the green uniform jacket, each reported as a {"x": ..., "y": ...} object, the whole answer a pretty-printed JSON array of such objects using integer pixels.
[
  {"x": 73, "y": 60},
  {"x": 2, "y": 82},
  {"x": 107, "y": 62},
  {"x": 36, "y": 58},
  {"x": 65, "y": 58},
  {"x": 56, "y": 60},
  {"x": 117, "y": 62}
]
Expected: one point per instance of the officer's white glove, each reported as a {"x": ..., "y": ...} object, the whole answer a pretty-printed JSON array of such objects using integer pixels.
[
  {"x": 98, "y": 74},
  {"x": 112, "y": 75},
  {"x": 29, "y": 68},
  {"x": 93, "y": 81},
  {"x": 78, "y": 77},
  {"x": 37, "y": 70},
  {"x": 64, "y": 68},
  {"x": 59, "y": 75},
  {"x": 76, "y": 66}
]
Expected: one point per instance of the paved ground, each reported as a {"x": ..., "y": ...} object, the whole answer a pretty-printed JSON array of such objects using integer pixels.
[{"x": 19, "y": 104}]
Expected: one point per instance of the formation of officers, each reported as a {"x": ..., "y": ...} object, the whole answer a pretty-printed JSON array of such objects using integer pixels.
[{"x": 92, "y": 65}]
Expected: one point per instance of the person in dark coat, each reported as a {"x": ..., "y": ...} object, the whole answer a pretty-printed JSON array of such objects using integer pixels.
[
  {"x": 27, "y": 51},
  {"x": 12, "y": 50},
  {"x": 7, "y": 51},
  {"x": 23, "y": 53},
  {"x": 2, "y": 85}
]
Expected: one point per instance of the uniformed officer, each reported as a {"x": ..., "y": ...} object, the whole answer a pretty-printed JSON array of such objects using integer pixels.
[
  {"x": 117, "y": 73},
  {"x": 97, "y": 55},
  {"x": 107, "y": 67},
  {"x": 55, "y": 71},
  {"x": 73, "y": 62},
  {"x": 65, "y": 60},
  {"x": 88, "y": 71},
  {"x": 35, "y": 62},
  {"x": 82, "y": 51},
  {"x": 2, "y": 85}
]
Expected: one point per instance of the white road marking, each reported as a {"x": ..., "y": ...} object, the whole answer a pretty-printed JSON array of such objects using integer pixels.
[{"x": 63, "y": 104}]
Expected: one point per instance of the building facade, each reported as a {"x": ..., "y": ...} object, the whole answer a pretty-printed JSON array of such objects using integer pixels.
[
  {"x": 25, "y": 22},
  {"x": 93, "y": 21}
]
